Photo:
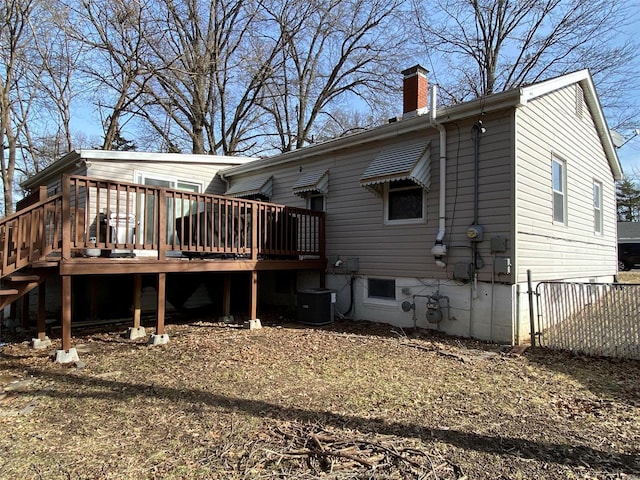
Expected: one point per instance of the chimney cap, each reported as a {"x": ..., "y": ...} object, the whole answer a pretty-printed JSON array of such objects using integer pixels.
[{"x": 414, "y": 70}]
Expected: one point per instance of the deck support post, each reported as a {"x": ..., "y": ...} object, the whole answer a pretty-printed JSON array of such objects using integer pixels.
[
  {"x": 42, "y": 310},
  {"x": 42, "y": 341},
  {"x": 93, "y": 300},
  {"x": 13, "y": 313},
  {"x": 25, "y": 311},
  {"x": 136, "y": 331},
  {"x": 66, "y": 312},
  {"x": 253, "y": 314},
  {"x": 67, "y": 354},
  {"x": 160, "y": 338},
  {"x": 226, "y": 300},
  {"x": 254, "y": 321}
]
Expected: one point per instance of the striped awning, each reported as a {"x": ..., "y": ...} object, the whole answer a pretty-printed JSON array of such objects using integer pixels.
[
  {"x": 402, "y": 162},
  {"x": 253, "y": 186},
  {"x": 312, "y": 182}
]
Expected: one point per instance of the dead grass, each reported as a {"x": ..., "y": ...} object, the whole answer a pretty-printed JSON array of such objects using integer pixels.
[
  {"x": 352, "y": 400},
  {"x": 632, "y": 276}
]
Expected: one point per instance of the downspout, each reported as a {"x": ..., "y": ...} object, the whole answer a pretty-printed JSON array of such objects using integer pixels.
[
  {"x": 439, "y": 250},
  {"x": 225, "y": 179}
]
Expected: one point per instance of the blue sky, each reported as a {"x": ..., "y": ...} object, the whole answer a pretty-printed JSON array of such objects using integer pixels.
[{"x": 629, "y": 156}]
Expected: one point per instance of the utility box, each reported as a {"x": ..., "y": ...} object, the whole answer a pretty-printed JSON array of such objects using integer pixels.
[
  {"x": 502, "y": 265},
  {"x": 316, "y": 306}
]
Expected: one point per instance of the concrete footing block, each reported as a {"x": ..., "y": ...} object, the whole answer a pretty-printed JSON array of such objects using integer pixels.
[
  {"x": 253, "y": 324},
  {"x": 135, "y": 332},
  {"x": 40, "y": 344},
  {"x": 226, "y": 319},
  {"x": 66, "y": 356},
  {"x": 159, "y": 339}
]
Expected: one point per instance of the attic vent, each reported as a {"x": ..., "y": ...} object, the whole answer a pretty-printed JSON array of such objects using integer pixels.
[{"x": 579, "y": 101}]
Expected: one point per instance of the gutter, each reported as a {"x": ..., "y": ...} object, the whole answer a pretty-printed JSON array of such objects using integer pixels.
[
  {"x": 498, "y": 101},
  {"x": 439, "y": 250}
]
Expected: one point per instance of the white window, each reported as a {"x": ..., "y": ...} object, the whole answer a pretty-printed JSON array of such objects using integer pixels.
[
  {"x": 559, "y": 191},
  {"x": 597, "y": 207},
  {"x": 404, "y": 202}
]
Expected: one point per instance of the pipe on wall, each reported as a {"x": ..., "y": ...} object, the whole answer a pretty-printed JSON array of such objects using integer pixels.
[{"x": 439, "y": 250}]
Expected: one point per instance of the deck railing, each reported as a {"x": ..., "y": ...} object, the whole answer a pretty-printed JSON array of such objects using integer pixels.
[
  {"x": 30, "y": 234},
  {"x": 93, "y": 217}
]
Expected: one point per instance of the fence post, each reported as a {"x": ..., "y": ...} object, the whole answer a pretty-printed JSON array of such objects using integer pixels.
[{"x": 532, "y": 324}]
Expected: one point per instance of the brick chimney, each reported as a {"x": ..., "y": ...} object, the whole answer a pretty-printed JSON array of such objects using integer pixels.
[{"x": 415, "y": 91}]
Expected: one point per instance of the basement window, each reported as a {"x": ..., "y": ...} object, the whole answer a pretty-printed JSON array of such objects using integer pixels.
[{"x": 381, "y": 288}]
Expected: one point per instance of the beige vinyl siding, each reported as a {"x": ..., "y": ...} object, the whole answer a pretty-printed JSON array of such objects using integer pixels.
[
  {"x": 548, "y": 127},
  {"x": 121, "y": 171},
  {"x": 355, "y": 223}
]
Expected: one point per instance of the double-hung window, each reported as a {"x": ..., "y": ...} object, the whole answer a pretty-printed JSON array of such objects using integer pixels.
[
  {"x": 559, "y": 181},
  {"x": 597, "y": 207}
]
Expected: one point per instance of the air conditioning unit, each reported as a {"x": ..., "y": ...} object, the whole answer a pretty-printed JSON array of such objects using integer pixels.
[{"x": 316, "y": 306}]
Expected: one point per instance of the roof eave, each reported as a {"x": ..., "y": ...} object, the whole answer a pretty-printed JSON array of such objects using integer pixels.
[
  {"x": 453, "y": 113},
  {"x": 582, "y": 77},
  {"x": 61, "y": 165}
]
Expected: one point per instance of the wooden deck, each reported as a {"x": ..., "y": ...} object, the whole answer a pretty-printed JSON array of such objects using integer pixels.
[{"x": 99, "y": 227}]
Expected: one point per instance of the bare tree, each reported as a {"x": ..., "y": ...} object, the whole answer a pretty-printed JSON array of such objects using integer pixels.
[
  {"x": 52, "y": 84},
  {"x": 494, "y": 45},
  {"x": 14, "y": 38},
  {"x": 212, "y": 74},
  {"x": 335, "y": 52},
  {"x": 114, "y": 36}
]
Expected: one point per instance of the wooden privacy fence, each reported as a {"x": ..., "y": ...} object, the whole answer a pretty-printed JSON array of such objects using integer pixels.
[{"x": 590, "y": 318}]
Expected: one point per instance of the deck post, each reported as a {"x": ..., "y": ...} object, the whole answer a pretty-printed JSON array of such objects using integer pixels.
[
  {"x": 67, "y": 354},
  {"x": 137, "y": 295},
  {"x": 25, "y": 311},
  {"x": 136, "y": 331},
  {"x": 93, "y": 300},
  {"x": 254, "y": 232},
  {"x": 226, "y": 300},
  {"x": 322, "y": 249},
  {"x": 162, "y": 223},
  {"x": 254, "y": 295},
  {"x": 66, "y": 218},
  {"x": 41, "y": 341},
  {"x": 160, "y": 338},
  {"x": 66, "y": 312},
  {"x": 254, "y": 321},
  {"x": 42, "y": 297}
]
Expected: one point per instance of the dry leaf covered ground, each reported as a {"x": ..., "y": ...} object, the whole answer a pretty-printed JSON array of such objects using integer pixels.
[{"x": 353, "y": 400}]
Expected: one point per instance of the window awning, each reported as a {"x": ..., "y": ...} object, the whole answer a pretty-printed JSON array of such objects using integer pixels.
[
  {"x": 402, "y": 162},
  {"x": 254, "y": 186},
  {"x": 312, "y": 182}
]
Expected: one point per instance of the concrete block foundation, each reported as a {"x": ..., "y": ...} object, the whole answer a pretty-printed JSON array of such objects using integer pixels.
[
  {"x": 40, "y": 344},
  {"x": 135, "y": 332},
  {"x": 253, "y": 324},
  {"x": 158, "y": 339},
  {"x": 66, "y": 356}
]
